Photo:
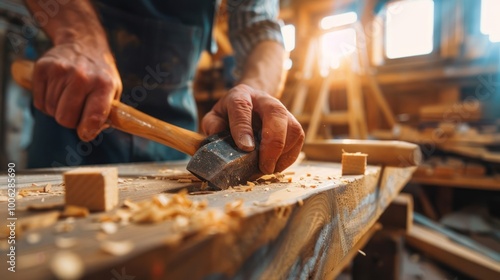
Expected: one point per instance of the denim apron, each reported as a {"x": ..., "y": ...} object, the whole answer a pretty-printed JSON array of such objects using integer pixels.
[{"x": 156, "y": 56}]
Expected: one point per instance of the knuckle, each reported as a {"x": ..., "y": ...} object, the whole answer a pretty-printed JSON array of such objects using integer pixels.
[
  {"x": 241, "y": 103},
  {"x": 104, "y": 83},
  {"x": 80, "y": 75},
  {"x": 297, "y": 132},
  {"x": 65, "y": 121},
  {"x": 275, "y": 143}
]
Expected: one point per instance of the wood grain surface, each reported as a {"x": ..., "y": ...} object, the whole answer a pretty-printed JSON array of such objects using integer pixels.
[{"x": 300, "y": 229}]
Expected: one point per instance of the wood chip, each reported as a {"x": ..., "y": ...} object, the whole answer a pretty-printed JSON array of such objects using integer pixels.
[
  {"x": 47, "y": 188},
  {"x": 117, "y": 248},
  {"x": 67, "y": 265},
  {"x": 300, "y": 202}
]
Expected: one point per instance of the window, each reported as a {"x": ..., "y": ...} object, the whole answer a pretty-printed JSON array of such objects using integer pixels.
[
  {"x": 338, "y": 20},
  {"x": 490, "y": 21},
  {"x": 336, "y": 45},
  {"x": 409, "y": 28},
  {"x": 288, "y": 32}
]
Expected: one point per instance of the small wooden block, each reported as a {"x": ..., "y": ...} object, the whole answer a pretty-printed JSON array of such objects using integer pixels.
[
  {"x": 92, "y": 187},
  {"x": 353, "y": 163}
]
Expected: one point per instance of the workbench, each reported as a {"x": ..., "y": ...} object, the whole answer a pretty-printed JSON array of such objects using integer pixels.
[{"x": 302, "y": 227}]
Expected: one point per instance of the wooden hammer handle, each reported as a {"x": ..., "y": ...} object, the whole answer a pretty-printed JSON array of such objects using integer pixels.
[{"x": 128, "y": 119}]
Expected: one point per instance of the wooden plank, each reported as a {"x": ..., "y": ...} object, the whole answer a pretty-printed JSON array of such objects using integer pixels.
[
  {"x": 459, "y": 257},
  {"x": 296, "y": 229}
]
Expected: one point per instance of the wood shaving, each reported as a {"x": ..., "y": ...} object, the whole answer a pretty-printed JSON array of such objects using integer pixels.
[
  {"x": 184, "y": 214},
  {"x": 117, "y": 248},
  {"x": 33, "y": 238},
  {"x": 201, "y": 192},
  {"x": 65, "y": 226},
  {"x": 184, "y": 181},
  {"x": 234, "y": 208},
  {"x": 131, "y": 205},
  {"x": 243, "y": 188},
  {"x": 261, "y": 204},
  {"x": 204, "y": 185},
  {"x": 67, "y": 265},
  {"x": 109, "y": 227},
  {"x": 289, "y": 173},
  {"x": 44, "y": 207},
  {"x": 75, "y": 211},
  {"x": 65, "y": 242}
]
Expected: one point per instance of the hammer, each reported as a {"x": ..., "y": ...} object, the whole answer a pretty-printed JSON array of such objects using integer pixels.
[{"x": 215, "y": 159}]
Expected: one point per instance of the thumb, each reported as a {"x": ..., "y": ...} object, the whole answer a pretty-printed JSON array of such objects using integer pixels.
[{"x": 240, "y": 121}]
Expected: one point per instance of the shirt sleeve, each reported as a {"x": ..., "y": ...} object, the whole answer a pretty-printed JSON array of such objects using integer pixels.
[{"x": 251, "y": 22}]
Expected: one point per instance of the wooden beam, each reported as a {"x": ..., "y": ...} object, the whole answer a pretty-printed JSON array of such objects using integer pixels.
[
  {"x": 459, "y": 257},
  {"x": 299, "y": 228},
  {"x": 354, "y": 252}
]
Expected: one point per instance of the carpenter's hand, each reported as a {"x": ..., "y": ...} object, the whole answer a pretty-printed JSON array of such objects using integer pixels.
[
  {"x": 76, "y": 86},
  {"x": 282, "y": 135}
]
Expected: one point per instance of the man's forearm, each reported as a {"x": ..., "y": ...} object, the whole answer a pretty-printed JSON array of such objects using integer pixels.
[
  {"x": 263, "y": 69},
  {"x": 73, "y": 22}
]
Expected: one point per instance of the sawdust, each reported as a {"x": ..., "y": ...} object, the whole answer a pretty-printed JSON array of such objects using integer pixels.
[{"x": 184, "y": 214}]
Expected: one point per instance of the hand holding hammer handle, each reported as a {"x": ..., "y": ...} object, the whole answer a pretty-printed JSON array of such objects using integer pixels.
[{"x": 128, "y": 119}]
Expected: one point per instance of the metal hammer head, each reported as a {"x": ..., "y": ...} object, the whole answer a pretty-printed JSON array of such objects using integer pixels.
[{"x": 222, "y": 164}]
